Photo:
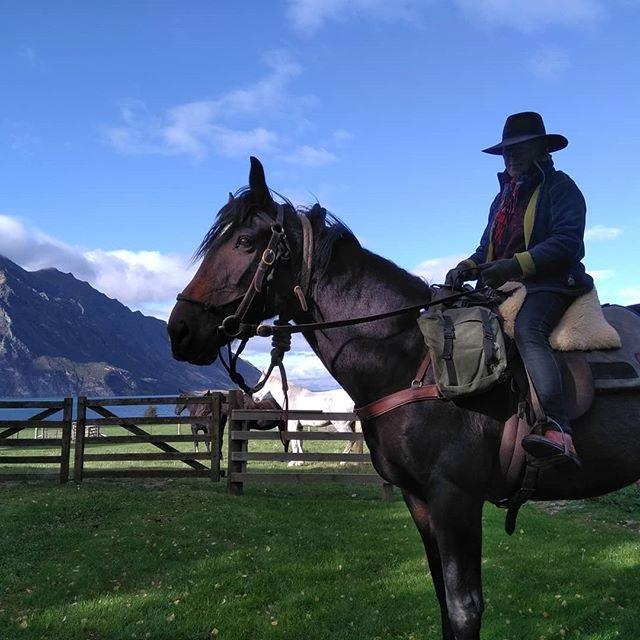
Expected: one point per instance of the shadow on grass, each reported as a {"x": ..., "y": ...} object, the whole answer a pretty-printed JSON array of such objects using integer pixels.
[{"x": 184, "y": 560}]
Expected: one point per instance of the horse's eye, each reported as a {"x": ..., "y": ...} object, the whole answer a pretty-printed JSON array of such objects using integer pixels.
[{"x": 244, "y": 241}]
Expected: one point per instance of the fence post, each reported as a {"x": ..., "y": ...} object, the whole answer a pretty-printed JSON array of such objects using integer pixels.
[
  {"x": 235, "y": 446},
  {"x": 67, "y": 417},
  {"x": 81, "y": 421},
  {"x": 387, "y": 491},
  {"x": 215, "y": 442}
]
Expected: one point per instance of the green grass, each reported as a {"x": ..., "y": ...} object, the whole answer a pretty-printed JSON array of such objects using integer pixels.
[{"x": 183, "y": 560}]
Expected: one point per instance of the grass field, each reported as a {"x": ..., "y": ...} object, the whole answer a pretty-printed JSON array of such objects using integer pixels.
[{"x": 183, "y": 560}]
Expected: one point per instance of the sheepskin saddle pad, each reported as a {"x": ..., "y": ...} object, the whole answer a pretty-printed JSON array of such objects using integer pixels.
[
  {"x": 608, "y": 336},
  {"x": 583, "y": 327}
]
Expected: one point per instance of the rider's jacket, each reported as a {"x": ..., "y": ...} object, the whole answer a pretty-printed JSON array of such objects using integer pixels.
[{"x": 554, "y": 225}]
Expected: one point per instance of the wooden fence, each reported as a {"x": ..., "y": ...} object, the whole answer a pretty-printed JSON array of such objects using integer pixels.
[
  {"x": 42, "y": 420},
  {"x": 239, "y": 455},
  {"x": 91, "y": 432},
  {"x": 191, "y": 460}
]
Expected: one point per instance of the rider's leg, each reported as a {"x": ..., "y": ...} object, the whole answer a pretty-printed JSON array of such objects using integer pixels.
[{"x": 538, "y": 316}]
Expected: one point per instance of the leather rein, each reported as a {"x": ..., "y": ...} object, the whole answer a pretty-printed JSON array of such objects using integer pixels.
[{"x": 234, "y": 325}]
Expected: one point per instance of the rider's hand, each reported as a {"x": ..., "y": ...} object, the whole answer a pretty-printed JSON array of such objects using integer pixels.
[
  {"x": 462, "y": 272},
  {"x": 501, "y": 271}
]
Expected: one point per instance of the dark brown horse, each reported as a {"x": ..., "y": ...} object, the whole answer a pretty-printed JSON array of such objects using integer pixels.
[
  {"x": 203, "y": 410},
  {"x": 444, "y": 458}
]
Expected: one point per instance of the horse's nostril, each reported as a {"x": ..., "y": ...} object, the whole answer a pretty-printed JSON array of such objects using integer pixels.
[{"x": 179, "y": 332}]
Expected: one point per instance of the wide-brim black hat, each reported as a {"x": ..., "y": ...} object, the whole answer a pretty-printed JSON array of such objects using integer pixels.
[{"x": 524, "y": 126}]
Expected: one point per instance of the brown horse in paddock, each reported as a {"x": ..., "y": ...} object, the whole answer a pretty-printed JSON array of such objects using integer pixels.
[
  {"x": 443, "y": 458},
  {"x": 203, "y": 410}
]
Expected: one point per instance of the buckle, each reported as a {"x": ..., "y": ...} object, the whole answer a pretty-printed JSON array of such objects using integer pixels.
[
  {"x": 268, "y": 257},
  {"x": 416, "y": 384}
]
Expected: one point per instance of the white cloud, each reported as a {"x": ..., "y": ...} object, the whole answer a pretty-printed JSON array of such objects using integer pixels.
[
  {"x": 341, "y": 135},
  {"x": 262, "y": 118},
  {"x": 601, "y": 232},
  {"x": 307, "y": 16},
  {"x": 311, "y": 156},
  {"x": 600, "y": 275},
  {"x": 526, "y": 15},
  {"x": 199, "y": 128},
  {"x": 434, "y": 270},
  {"x": 31, "y": 57},
  {"x": 630, "y": 295},
  {"x": 303, "y": 367},
  {"x": 144, "y": 280},
  {"x": 549, "y": 63}
]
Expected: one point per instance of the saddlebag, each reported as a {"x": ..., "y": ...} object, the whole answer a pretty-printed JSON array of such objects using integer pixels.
[{"x": 467, "y": 349}]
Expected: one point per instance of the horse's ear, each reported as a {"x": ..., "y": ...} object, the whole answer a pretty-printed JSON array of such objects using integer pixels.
[
  {"x": 258, "y": 184},
  {"x": 230, "y": 196}
]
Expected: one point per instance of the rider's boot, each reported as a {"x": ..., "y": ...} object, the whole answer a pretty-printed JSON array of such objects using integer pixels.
[{"x": 554, "y": 442}]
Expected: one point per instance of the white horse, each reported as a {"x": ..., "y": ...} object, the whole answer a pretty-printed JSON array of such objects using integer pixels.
[{"x": 334, "y": 401}]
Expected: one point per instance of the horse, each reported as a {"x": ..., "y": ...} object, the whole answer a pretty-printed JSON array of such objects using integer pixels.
[
  {"x": 198, "y": 410},
  {"x": 203, "y": 410},
  {"x": 334, "y": 400},
  {"x": 443, "y": 457}
]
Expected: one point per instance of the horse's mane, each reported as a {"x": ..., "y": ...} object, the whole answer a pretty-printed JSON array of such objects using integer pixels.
[
  {"x": 329, "y": 231},
  {"x": 240, "y": 207}
]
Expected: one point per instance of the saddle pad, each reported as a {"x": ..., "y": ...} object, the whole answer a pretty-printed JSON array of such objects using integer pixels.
[
  {"x": 618, "y": 368},
  {"x": 583, "y": 327}
]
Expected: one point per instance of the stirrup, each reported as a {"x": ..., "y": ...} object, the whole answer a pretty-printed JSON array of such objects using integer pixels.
[{"x": 547, "y": 451}]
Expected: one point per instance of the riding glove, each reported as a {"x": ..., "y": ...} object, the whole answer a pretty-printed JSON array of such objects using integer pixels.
[
  {"x": 501, "y": 271},
  {"x": 462, "y": 272}
]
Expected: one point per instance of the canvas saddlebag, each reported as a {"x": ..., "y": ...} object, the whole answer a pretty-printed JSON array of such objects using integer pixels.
[{"x": 467, "y": 349}]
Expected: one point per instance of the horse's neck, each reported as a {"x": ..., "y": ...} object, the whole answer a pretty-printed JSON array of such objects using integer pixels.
[{"x": 370, "y": 359}]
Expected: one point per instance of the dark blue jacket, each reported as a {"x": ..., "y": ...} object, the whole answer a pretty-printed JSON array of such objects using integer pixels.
[{"x": 554, "y": 235}]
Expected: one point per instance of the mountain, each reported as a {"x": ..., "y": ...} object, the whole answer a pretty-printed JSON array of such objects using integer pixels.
[{"x": 59, "y": 336}]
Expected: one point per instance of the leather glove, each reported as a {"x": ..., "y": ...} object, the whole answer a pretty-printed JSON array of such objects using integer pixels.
[
  {"x": 462, "y": 272},
  {"x": 501, "y": 271}
]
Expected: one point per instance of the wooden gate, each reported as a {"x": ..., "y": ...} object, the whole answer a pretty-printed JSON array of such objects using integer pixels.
[
  {"x": 10, "y": 437},
  {"x": 193, "y": 467},
  {"x": 239, "y": 455}
]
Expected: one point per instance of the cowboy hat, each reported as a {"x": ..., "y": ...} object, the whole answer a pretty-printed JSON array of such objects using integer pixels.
[{"x": 524, "y": 126}]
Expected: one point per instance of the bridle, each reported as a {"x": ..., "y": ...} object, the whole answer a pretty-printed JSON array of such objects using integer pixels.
[
  {"x": 235, "y": 325},
  {"x": 277, "y": 249}
]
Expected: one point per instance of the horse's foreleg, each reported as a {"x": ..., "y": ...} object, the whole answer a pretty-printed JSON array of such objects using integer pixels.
[
  {"x": 296, "y": 447},
  {"x": 195, "y": 440},
  {"x": 422, "y": 518},
  {"x": 457, "y": 525}
]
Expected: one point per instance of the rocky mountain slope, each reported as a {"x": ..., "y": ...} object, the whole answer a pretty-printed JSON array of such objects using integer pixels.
[{"x": 59, "y": 336}]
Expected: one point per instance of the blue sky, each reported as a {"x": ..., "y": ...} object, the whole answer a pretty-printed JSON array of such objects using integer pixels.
[{"x": 123, "y": 126}]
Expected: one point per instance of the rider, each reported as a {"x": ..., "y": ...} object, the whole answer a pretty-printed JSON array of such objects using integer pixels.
[{"x": 535, "y": 234}]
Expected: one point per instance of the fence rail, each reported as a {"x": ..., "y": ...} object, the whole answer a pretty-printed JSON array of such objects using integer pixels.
[{"x": 14, "y": 427}]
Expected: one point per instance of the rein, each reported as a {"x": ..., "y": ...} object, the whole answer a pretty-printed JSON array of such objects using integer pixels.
[{"x": 281, "y": 331}]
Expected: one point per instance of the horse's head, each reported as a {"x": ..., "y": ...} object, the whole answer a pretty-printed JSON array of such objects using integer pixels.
[
  {"x": 251, "y": 233},
  {"x": 259, "y": 259},
  {"x": 181, "y": 405}
]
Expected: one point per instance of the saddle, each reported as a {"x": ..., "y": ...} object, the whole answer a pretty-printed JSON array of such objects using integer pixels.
[{"x": 584, "y": 374}]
